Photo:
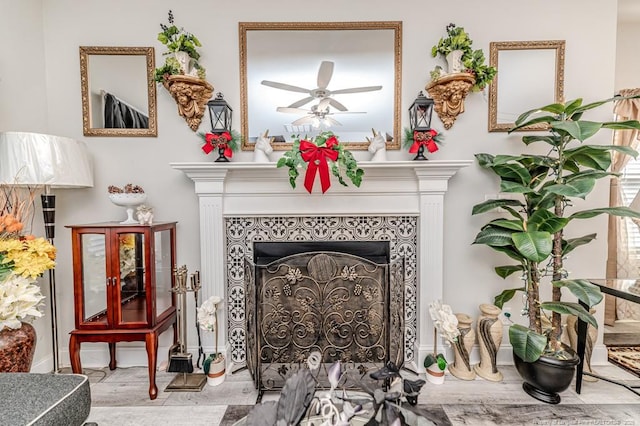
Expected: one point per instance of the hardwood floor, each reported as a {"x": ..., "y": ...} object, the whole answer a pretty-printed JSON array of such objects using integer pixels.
[{"x": 120, "y": 398}]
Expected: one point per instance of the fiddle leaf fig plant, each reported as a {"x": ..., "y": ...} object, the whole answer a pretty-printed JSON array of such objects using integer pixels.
[{"x": 532, "y": 234}]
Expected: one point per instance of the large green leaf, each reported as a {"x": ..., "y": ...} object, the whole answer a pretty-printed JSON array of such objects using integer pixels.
[
  {"x": 570, "y": 308},
  {"x": 544, "y": 220},
  {"x": 587, "y": 293},
  {"x": 622, "y": 125},
  {"x": 494, "y": 237},
  {"x": 526, "y": 343},
  {"x": 614, "y": 211},
  {"x": 576, "y": 188},
  {"x": 505, "y": 296},
  {"x": 580, "y": 130},
  {"x": 551, "y": 140},
  {"x": 511, "y": 252},
  {"x": 515, "y": 225},
  {"x": 489, "y": 205},
  {"x": 590, "y": 156},
  {"x": 593, "y": 174},
  {"x": 514, "y": 187},
  {"x": 570, "y": 244},
  {"x": 534, "y": 245},
  {"x": 543, "y": 119},
  {"x": 513, "y": 172},
  {"x": 572, "y": 106},
  {"x": 484, "y": 160}
]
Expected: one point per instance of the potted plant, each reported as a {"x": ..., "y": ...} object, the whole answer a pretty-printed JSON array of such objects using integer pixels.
[
  {"x": 214, "y": 364},
  {"x": 533, "y": 234},
  {"x": 182, "y": 45},
  {"x": 456, "y": 47},
  {"x": 445, "y": 323}
]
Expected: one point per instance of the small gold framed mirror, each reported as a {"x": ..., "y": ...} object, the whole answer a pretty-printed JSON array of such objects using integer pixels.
[
  {"x": 530, "y": 74},
  {"x": 118, "y": 91}
]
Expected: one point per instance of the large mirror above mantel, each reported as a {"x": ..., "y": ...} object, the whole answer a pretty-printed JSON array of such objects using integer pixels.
[{"x": 301, "y": 78}]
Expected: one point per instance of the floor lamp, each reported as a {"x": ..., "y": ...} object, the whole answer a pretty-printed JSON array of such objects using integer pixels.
[{"x": 48, "y": 162}]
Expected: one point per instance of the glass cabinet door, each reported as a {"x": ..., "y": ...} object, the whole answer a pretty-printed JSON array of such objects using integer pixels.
[
  {"x": 94, "y": 279},
  {"x": 163, "y": 269},
  {"x": 131, "y": 274}
]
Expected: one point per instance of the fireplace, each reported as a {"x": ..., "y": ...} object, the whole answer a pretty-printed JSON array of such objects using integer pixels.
[
  {"x": 344, "y": 300},
  {"x": 399, "y": 201}
]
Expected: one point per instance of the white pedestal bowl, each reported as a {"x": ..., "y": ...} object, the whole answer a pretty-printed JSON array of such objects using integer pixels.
[{"x": 130, "y": 201}]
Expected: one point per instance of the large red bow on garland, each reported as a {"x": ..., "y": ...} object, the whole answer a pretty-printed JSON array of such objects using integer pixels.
[
  {"x": 219, "y": 140},
  {"x": 424, "y": 139},
  {"x": 317, "y": 158}
]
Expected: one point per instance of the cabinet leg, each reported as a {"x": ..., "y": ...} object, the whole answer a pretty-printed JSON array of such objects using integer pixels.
[
  {"x": 74, "y": 354},
  {"x": 151, "y": 341},
  {"x": 112, "y": 356}
]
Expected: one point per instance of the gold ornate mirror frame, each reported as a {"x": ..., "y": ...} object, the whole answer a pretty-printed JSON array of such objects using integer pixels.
[
  {"x": 91, "y": 89},
  {"x": 530, "y": 75},
  {"x": 310, "y": 56}
]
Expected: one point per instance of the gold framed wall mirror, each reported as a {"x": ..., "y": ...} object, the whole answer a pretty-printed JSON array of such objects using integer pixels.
[
  {"x": 118, "y": 91},
  {"x": 300, "y": 78},
  {"x": 530, "y": 75}
]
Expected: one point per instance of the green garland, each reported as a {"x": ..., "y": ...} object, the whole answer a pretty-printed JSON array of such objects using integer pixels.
[{"x": 345, "y": 162}]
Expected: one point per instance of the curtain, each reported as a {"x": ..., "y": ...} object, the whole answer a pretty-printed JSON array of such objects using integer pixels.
[
  {"x": 120, "y": 115},
  {"x": 619, "y": 264}
]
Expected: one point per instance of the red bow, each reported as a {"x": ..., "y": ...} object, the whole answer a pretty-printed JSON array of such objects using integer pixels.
[
  {"x": 317, "y": 158},
  {"x": 425, "y": 139},
  {"x": 213, "y": 140}
]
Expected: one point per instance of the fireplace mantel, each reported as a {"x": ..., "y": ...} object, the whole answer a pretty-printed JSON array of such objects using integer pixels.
[{"x": 388, "y": 188}]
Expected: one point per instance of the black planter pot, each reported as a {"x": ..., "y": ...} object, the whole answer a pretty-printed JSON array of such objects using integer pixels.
[{"x": 547, "y": 376}]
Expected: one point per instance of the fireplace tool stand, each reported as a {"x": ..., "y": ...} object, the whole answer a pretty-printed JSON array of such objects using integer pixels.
[{"x": 180, "y": 361}]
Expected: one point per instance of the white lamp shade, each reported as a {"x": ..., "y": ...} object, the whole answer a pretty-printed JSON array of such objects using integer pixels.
[{"x": 37, "y": 159}]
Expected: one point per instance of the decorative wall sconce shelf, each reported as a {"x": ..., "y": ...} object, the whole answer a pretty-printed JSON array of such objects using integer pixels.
[
  {"x": 449, "y": 93},
  {"x": 191, "y": 94}
]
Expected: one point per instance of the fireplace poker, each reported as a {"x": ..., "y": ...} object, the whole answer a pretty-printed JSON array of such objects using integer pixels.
[{"x": 196, "y": 286}]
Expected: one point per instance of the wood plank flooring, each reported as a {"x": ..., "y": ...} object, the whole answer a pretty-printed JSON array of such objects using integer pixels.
[{"x": 120, "y": 397}]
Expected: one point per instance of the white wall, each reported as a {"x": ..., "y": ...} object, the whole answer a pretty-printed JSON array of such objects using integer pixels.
[
  {"x": 468, "y": 274},
  {"x": 627, "y": 58}
]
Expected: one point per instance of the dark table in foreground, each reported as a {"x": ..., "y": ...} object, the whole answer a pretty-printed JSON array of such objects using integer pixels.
[{"x": 627, "y": 289}]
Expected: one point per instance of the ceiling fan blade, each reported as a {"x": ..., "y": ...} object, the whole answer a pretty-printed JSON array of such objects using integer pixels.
[
  {"x": 349, "y": 112},
  {"x": 333, "y": 122},
  {"x": 324, "y": 103},
  {"x": 337, "y": 105},
  {"x": 284, "y": 86},
  {"x": 303, "y": 120},
  {"x": 290, "y": 110},
  {"x": 301, "y": 102},
  {"x": 324, "y": 74},
  {"x": 356, "y": 90}
]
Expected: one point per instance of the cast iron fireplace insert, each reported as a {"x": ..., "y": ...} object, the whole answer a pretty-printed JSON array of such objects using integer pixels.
[{"x": 344, "y": 299}]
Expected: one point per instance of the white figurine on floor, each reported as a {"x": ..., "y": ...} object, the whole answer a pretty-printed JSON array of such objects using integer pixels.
[
  {"x": 378, "y": 146},
  {"x": 263, "y": 148},
  {"x": 144, "y": 214}
]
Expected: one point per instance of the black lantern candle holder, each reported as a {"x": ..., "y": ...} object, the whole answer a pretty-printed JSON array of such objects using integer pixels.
[
  {"x": 420, "y": 113},
  {"x": 220, "y": 114}
]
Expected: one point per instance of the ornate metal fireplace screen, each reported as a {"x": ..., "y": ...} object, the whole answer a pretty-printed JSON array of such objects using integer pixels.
[{"x": 346, "y": 307}]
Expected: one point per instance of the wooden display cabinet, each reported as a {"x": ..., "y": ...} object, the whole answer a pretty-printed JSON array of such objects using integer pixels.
[{"x": 123, "y": 276}]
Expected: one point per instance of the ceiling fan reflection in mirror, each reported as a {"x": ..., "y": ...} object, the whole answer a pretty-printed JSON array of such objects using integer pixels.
[
  {"x": 318, "y": 115},
  {"x": 325, "y": 72}
]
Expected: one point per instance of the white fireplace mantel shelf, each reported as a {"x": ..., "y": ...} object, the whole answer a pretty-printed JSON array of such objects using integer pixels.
[
  {"x": 388, "y": 188},
  {"x": 262, "y": 188}
]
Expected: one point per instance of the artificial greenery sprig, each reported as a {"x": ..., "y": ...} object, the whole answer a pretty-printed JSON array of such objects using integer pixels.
[
  {"x": 232, "y": 143},
  {"x": 293, "y": 159},
  {"x": 473, "y": 60},
  {"x": 178, "y": 40}
]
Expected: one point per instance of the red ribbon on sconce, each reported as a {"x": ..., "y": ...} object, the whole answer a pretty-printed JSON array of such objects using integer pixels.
[
  {"x": 317, "y": 158},
  {"x": 425, "y": 139},
  {"x": 217, "y": 140}
]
